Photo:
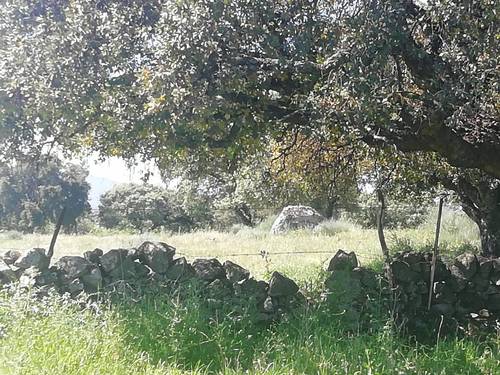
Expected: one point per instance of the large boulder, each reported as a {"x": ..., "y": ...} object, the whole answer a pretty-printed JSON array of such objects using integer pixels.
[
  {"x": 280, "y": 285},
  {"x": 34, "y": 257},
  {"x": 296, "y": 217},
  {"x": 156, "y": 255}
]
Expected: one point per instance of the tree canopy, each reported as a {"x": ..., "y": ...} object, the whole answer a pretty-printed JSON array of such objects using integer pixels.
[
  {"x": 210, "y": 82},
  {"x": 33, "y": 195}
]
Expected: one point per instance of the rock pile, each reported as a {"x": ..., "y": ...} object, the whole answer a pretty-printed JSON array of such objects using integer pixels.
[
  {"x": 349, "y": 287},
  {"x": 150, "y": 262},
  {"x": 467, "y": 288}
]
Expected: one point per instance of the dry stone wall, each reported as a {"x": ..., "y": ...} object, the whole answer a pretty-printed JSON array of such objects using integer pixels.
[
  {"x": 467, "y": 289},
  {"x": 152, "y": 262}
]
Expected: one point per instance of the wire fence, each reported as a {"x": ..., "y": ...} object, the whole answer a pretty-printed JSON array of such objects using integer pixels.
[{"x": 262, "y": 253}]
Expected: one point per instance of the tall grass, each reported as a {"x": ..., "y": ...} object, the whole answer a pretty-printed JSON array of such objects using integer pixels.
[
  {"x": 244, "y": 245},
  {"x": 164, "y": 335}
]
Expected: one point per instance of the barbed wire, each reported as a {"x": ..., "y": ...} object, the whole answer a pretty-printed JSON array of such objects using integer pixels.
[{"x": 262, "y": 253}]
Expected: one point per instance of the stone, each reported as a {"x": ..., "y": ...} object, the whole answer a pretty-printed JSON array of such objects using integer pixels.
[
  {"x": 118, "y": 265},
  {"x": 234, "y": 272},
  {"x": 156, "y": 255},
  {"x": 10, "y": 256},
  {"x": 73, "y": 266},
  {"x": 402, "y": 272},
  {"x": 485, "y": 266},
  {"x": 268, "y": 305},
  {"x": 140, "y": 270},
  {"x": 457, "y": 283},
  {"x": 75, "y": 287},
  {"x": 410, "y": 288},
  {"x": 343, "y": 287},
  {"x": 127, "y": 270},
  {"x": 412, "y": 258},
  {"x": 464, "y": 266},
  {"x": 34, "y": 257},
  {"x": 441, "y": 273},
  {"x": 296, "y": 217},
  {"x": 112, "y": 259},
  {"x": 280, "y": 285},
  {"x": 219, "y": 289},
  {"x": 480, "y": 282},
  {"x": 28, "y": 278},
  {"x": 444, "y": 293},
  {"x": 493, "y": 302},
  {"x": 251, "y": 288},
  {"x": 471, "y": 300},
  {"x": 33, "y": 276},
  {"x": 343, "y": 261},
  {"x": 492, "y": 289},
  {"x": 7, "y": 274},
  {"x": 93, "y": 279},
  {"x": 179, "y": 270},
  {"x": 367, "y": 277},
  {"x": 133, "y": 254},
  {"x": 209, "y": 269},
  {"x": 422, "y": 287},
  {"x": 93, "y": 256}
]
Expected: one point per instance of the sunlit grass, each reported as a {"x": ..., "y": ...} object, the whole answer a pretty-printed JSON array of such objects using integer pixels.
[
  {"x": 245, "y": 246},
  {"x": 162, "y": 335}
]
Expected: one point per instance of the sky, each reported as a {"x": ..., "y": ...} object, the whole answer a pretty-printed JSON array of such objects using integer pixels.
[
  {"x": 115, "y": 169},
  {"x": 103, "y": 175}
]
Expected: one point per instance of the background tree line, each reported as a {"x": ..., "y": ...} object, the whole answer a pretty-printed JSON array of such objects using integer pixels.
[{"x": 33, "y": 195}]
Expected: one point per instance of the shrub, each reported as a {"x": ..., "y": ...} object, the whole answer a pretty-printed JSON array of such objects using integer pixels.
[
  {"x": 334, "y": 227},
  {"x": 397, "y": 214}
]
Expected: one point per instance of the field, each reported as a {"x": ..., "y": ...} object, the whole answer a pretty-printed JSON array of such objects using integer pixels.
[
  {"x": 161, "y": 335},
  {"x": 244, "y": 245}
]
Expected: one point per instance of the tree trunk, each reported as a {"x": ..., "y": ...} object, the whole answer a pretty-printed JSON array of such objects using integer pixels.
[
  {"x": 480, "y": 200},
  {"x": 245, "y": 214},
  {"x": 489, "y": 232},
  {"x": 331, "y": 209}
]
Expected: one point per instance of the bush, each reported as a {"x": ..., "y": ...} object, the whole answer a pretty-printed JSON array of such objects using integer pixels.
[
  {"x": 397, "y": 214},
  {"x": 143, "y": 208},
  {"x": 12, "y": 235},
  {"x": 334, "y": 227}
]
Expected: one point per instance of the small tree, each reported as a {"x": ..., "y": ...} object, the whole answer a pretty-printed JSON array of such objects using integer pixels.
[{"x": 33, "y": 195}]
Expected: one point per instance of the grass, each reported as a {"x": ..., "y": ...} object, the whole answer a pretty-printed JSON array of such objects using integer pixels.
[
  {"x": 244, "y": 245},
  {"x": 160, "y": 334},
  {"x": 164, "y": 336}
]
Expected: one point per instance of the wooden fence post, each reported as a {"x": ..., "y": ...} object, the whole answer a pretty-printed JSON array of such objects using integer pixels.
[{"x": 435, "y": 252}]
